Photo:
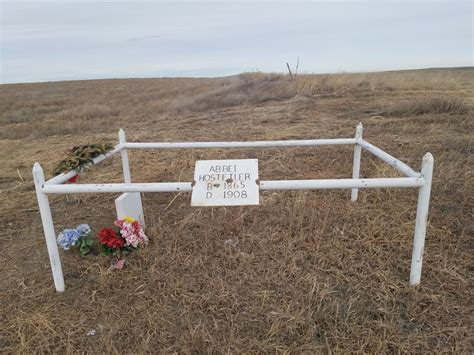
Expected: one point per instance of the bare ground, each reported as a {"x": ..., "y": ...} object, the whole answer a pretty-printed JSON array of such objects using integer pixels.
[{"x": 306, "y": 271}]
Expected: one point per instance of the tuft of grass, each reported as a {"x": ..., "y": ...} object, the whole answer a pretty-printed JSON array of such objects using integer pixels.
[{"x": 434, "y": 105}]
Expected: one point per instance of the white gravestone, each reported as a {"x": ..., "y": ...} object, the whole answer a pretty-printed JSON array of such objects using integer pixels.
[
  {"x": 230, "y": 182},
  {"x": 130, "y": 204}
]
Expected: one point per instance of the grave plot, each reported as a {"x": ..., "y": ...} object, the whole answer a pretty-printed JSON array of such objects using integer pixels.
[{"x": 235, "y": 182}]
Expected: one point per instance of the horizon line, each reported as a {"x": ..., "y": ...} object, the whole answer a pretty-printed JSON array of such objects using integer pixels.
[{"x": 339, "y": 72}]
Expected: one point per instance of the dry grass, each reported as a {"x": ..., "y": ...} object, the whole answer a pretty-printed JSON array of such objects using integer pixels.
[
  {"x": 244, "y": 89},
  {"x": 433, "y": 105},
  {"x": 302, "y": 272},
  {"x": 428, "y": 79}
]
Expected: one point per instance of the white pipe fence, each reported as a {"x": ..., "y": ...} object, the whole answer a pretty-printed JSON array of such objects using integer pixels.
[
  {"x": 412, "y": 179},
  {"x": 255, "y": 144}
]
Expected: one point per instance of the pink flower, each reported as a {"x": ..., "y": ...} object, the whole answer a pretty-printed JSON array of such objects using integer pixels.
[{"x": 132, "y": 233}]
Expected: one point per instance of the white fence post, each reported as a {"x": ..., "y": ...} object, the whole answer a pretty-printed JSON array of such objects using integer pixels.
[
  {"x": 48, "y": 227},
  {"x": 356, "y": 163},
  {"x": 125, "y": 166},
  {"x": 421, "y": 220}
]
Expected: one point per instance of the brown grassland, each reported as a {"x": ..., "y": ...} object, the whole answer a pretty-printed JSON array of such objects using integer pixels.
[{"x": 304, "y": 272}]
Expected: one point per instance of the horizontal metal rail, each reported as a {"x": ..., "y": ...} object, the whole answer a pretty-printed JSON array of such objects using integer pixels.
[
  {"x": 59, "y": 179},
  {"x": 242, "y": 144},
  {"x": 387, "y": 158},
  {"x": 264, "y": 185},
  {"x": 340, "y": 183},
  {"x": 126, "y": 187}
]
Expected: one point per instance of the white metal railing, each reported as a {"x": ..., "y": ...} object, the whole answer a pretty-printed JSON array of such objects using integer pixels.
[
  {"x": 420, "y": 180},
  {"x": 255, "y": 144}
]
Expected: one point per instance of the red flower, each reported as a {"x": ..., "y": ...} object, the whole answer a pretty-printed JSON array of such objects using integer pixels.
[
  {"x": 109, "y": 237},
  {"x": 74, "y": 179}
]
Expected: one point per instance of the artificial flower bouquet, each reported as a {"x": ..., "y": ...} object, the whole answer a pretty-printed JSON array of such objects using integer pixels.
[
  {"x": 126, "y": 236},
  {"x": 80, "y": 237}
]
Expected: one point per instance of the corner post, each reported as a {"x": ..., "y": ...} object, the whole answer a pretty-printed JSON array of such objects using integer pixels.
[
  {"x": 356, "y": 163},
  {"x": 123, "y": 152},
  {"x": 421, "y": 220},
  {"x": 48, "y": 228}
]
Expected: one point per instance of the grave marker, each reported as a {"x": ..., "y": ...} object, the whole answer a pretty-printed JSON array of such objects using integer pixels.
[
  {"x": 130, "y": 204},
  {"x": 230, "y": 182}
]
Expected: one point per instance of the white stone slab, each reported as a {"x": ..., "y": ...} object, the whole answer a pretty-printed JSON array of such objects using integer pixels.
[
  {"x": 229, "y": 182},
  {"x": 130, "y": 204}
]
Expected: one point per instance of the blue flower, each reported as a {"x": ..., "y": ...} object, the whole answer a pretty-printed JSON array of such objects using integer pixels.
[
  {"x": 83, "y": 229},
  {"x": 68, "y": 238}
]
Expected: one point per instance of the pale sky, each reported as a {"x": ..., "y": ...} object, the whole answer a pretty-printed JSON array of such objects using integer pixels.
[{"x": 67, "y": 40}]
